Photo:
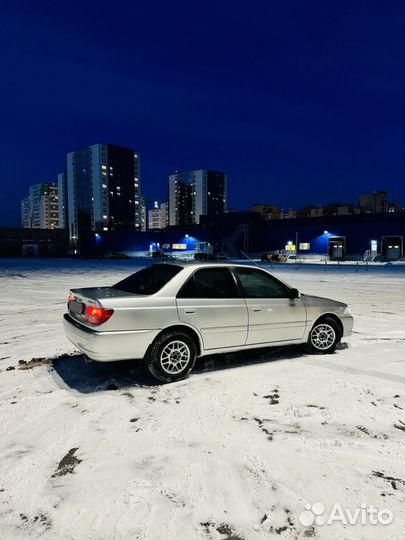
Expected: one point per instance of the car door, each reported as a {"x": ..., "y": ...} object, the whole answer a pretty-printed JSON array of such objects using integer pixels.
[
  {"x": 273, "y": 314},
  {"x": 210, "y": 301}
]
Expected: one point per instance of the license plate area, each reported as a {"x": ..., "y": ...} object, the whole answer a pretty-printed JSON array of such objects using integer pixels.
[{"x": 76, "y": 307}]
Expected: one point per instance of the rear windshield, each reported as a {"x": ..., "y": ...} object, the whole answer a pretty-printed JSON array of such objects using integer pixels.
[{"x": 148, "y": 280}]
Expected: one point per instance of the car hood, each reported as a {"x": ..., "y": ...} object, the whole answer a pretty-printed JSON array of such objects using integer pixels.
[{"x": 310, "y": 300}]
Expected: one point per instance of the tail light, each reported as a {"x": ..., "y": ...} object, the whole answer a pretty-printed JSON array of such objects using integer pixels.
[{"x": 96, "y": 315}]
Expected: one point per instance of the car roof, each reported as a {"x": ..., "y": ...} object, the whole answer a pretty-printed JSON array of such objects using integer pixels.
[{"x": 205, "y": 264}]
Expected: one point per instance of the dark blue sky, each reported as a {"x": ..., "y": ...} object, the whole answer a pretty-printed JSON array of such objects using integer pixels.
[{"x": 297, "y": 101}]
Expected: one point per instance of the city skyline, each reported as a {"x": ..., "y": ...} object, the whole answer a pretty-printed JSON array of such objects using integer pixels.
[{"x": 303, "y": 106}]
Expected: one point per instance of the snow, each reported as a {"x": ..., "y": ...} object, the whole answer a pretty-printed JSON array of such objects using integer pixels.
[{"x": 91, "y": 451}]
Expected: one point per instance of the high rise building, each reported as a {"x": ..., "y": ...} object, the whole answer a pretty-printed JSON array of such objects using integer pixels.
[
  {"x": 62, "y": 194},
  {"x": 159, "y": 216},
  {"x": 26, "y": 213},
  {"x": 196, "y": 193},
  {"x": 103, "y": 190},
  {"x": 143, "y": 214},
  {"x": 40, "y": 209}
]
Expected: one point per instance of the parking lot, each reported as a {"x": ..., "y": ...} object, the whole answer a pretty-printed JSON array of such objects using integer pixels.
[{"x": 235, "y": 451}]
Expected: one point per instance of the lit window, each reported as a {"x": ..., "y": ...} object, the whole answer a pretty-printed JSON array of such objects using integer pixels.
[
  {"x": 105, "y": 228},
  {"x": 104, "y": 185},
  {"x": 104, "y": 167},
  {"x": 136, "y": 202},
  {"x": 104, "y": 173},
  {"x": 105, "y": 216}
]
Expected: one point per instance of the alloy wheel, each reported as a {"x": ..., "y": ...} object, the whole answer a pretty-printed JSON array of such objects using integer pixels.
[
  {"x": 323, "y": 336},
  {"x": 174, "y": 357}
]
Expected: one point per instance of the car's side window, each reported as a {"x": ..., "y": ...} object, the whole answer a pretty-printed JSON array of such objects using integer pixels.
[
  {"x": 189, "y": 289},
  {"x": 210, "y": 283},
  {"x": 257, "y": 284}
]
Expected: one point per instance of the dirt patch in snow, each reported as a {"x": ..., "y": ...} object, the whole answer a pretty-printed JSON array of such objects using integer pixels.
[
  {"x": 224, "y": 529},
  {"x": 67, "y": 464},
  {"x": 34, "y": 362},
  {"x": 393, "y": 481},
  {"x": 41, "y": 519}
]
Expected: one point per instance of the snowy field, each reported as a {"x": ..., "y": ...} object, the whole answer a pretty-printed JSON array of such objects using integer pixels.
[{"x": 235, "y": 452}]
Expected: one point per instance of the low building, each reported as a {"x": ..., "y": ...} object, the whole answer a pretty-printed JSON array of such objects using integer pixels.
[
  {"x": 374, "y": 203},
  {"x": 336, "y": 209},
  {"x": 158, "y": 217},
  {"x": 268, "y": 211},
  {"x": 17, "y": 242}
]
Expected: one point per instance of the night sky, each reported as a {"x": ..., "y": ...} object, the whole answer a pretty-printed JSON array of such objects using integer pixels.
[{"x": 297, "y": 101}]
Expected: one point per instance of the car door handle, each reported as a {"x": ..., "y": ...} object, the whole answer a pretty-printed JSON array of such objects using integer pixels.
[
  {"x": 256, "y": 309},
  {"x": 189, "y": 311}
]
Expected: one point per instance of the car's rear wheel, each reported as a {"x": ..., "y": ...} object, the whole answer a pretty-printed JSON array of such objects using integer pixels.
[
  {"x": 171, "y": 357},
  {"x": 324, "y": 336}
]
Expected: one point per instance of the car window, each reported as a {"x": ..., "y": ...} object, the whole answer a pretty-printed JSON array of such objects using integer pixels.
[
  {"x": 148, "y": 280},
  {"x": 257, "y": 284},
  {"x": 210, "y": 283},
  {"x": 189, "y": 289}
]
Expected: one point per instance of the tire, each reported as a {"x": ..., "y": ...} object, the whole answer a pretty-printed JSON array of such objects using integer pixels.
[
  {"x": 324, "y": 336},
  {"x": 171, "y": 356}
]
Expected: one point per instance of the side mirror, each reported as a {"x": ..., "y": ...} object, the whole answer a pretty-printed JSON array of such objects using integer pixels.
[{"x": 294, "y": 293}]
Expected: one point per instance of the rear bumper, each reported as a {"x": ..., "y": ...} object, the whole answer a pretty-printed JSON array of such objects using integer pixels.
[{"x": 108, "y": 346}]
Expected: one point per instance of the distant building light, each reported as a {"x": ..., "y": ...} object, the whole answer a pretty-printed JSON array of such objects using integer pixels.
[
  {"x": 325, "y": 232},
  {"x": 104, "y": 167}
]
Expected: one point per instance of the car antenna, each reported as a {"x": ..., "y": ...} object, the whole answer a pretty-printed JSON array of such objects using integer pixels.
[{"x": 254, "y": 262}]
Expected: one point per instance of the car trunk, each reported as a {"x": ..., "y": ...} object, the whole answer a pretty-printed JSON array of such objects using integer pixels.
[{"x": 102, "y": 297}]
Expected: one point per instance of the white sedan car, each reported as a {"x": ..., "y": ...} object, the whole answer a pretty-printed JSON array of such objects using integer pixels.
[{"x": 169, "y": 314}]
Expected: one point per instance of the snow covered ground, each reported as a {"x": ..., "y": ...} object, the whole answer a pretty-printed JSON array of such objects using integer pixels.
[{"x": 235, "y": 452}]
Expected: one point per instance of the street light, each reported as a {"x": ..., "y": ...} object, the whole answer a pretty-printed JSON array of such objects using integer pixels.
[{"x": 327, "y": 245}]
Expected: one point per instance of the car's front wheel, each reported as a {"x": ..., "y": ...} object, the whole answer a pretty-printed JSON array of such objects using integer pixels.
[
  {"x": 171, "y": 357},
  {"x": 324, "y": 336}
]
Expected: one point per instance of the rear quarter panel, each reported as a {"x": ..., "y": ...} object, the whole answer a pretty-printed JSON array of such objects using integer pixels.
[{"x": 144, "y": 313}]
